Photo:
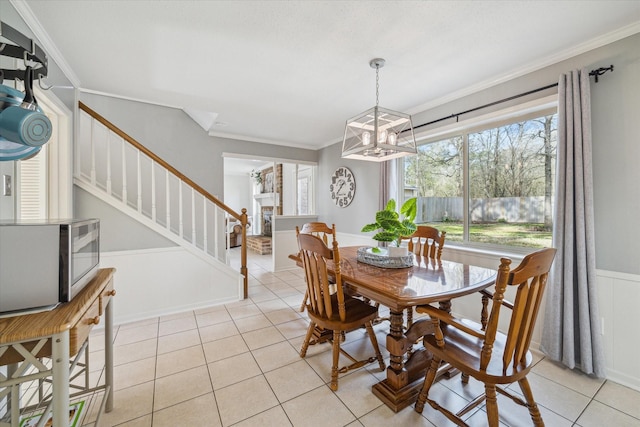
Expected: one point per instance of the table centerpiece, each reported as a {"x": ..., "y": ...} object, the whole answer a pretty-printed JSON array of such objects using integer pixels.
[{"x": 390, "y": 231}]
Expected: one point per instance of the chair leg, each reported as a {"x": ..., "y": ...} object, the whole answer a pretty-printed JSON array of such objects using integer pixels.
[
  {"x": 428, "y": 382},
  {"x": 531, "y": 403},
  {"x": 304, "y": 301},
  {"x": 492, "y": 405},
  {"x": 307, "y": 338},
  {"x": 336, "y": 357},
  {"x": 374, "y": 342}
]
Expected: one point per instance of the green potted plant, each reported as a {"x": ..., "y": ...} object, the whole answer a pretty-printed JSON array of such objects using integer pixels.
[
  {"x": 257, "y": 177},
  {"x": 390, "y": 226}
]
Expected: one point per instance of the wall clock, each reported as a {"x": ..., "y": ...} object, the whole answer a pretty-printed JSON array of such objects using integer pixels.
[{"x": 343, "y": 187}]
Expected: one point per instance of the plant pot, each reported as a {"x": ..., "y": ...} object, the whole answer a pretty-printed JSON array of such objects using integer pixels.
[{"x": 395, "y": 251}]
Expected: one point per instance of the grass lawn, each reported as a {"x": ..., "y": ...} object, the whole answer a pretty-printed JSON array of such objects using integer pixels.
[{"x": 501, "y": 233}]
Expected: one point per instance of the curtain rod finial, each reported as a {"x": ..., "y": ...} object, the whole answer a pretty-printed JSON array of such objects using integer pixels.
[{"x": 600, "y": 71}]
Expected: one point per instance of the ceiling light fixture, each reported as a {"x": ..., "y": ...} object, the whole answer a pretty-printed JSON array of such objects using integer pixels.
[{"x": 378, "y": 134}]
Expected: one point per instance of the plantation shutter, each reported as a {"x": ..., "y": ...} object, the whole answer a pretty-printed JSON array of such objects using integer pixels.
[{"x": 32, "y": 183}]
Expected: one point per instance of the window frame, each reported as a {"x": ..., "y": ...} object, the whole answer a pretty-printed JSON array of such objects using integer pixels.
[
  {"x": 55, "y": 168},
  {"x": 513, "y": 114}
]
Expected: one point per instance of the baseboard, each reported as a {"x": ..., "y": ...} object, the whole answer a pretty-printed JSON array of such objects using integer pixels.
[
  {"x": 136, "y": 317},
  {"x": 623, "y": 379}
]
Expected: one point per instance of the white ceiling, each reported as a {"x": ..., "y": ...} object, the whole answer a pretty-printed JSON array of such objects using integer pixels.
[
  {"x": 243, "y": 166},
  {"x": 292, "y": 72}
]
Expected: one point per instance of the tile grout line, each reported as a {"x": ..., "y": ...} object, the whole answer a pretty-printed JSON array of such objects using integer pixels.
[
  {"x": 271, "y": 323},
  {"x": 262, "y": 373},
  {"x": 155, "y": 372}
]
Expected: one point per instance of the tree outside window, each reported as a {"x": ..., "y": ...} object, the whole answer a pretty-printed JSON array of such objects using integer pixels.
[{"x": 509, "y": 178}]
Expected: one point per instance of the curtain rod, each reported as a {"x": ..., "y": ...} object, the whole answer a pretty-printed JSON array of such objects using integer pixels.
[{"x": 600, "y": 71}]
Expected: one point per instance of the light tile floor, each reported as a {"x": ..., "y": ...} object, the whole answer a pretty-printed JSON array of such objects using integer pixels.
[{"x": 238, "y": 365}]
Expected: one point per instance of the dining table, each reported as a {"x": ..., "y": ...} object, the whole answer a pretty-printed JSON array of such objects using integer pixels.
[{"x": 427, "y": 281}]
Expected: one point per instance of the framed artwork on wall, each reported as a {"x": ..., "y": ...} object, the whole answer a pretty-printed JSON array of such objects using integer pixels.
[{"x": 268, "y": 183}]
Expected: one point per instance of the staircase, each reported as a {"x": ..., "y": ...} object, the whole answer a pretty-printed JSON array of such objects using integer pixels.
[{"x": 117, "y": 169}]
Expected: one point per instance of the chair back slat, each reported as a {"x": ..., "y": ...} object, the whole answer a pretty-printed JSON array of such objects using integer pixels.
[
  {"x": 530, "y": 278},
  {"x": 427, "y": 241},
  {"x": 536, "y": 309},
  {"x": 518, "y": 324},
  {"x": 313, "y": 283},
  {"x": 318, "y": 229},
  {"x": 315, "y": 255}
]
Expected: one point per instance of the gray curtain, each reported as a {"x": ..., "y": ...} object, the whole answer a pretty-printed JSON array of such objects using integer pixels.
[
  {"x": 571, "y": 332},
  {"x": 388, "y": 182}
]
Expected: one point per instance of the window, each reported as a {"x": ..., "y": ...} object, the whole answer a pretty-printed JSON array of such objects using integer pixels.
[
  {"x": 491, "y": 185},
  {"x": 297, "y": 189},
  {"x": 304, "y": 207},
  {"x": 44, "y": 182}
]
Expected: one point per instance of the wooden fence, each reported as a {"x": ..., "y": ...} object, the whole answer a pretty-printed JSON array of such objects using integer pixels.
[{"x": 509, "y": 209}]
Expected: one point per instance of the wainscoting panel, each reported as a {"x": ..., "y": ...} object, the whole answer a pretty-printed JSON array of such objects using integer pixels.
[
  {"x": 285, "y": 243},
  {"x": 619, "y": 297},
  {"x": 157, "y": 282}
]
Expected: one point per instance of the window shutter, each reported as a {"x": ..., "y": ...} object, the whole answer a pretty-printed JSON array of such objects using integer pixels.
[{"x": 33, "y": 186}]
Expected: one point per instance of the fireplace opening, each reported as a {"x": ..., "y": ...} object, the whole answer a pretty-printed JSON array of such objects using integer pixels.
[{"x": 267, "y": 216}]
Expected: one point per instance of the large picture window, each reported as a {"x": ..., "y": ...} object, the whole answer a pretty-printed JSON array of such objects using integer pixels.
[{"x": 488, "y": 186}]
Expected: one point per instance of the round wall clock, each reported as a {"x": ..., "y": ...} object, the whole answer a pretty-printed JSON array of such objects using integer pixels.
[{"x": 343, "y": 187}]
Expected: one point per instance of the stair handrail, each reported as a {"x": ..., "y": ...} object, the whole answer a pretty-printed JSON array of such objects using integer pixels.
[{"x": 242, "y": 217}]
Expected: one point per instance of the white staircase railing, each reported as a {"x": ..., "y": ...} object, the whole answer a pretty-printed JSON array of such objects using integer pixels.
[{"x": 119, "y": 170}]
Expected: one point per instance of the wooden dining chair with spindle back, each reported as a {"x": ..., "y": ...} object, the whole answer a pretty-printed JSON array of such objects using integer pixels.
[
  {"x": 428, "y": 242},
  {"x": 329, "y": 308},
  {"x": 318, "y": 229},
  {"x": 483, "y": 352}
]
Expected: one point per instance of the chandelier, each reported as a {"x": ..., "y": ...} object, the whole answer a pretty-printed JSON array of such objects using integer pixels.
[{"x": 378, "y": 134}]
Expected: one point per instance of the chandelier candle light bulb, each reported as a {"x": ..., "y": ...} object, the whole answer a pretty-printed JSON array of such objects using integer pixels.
[
  {"x": 366, "y": 138},
  {"x": 382, "y": 137}
]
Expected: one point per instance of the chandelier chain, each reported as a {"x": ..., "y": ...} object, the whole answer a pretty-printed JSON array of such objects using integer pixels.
[{"x": 377, "y": 83}]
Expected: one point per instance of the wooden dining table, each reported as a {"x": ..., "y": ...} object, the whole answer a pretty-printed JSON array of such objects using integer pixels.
[{"x": 426, "y": 282}]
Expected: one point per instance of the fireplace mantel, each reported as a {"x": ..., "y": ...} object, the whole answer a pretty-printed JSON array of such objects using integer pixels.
[{"x": 267, "y": 199}]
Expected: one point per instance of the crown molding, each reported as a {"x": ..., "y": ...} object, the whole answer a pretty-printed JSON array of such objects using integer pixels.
[
  {"x": 248, "y": 138},
  {"x": 571, "y": 52},
  {"x": 128, "y": 98},
  {"x": 47, "y": 43}
]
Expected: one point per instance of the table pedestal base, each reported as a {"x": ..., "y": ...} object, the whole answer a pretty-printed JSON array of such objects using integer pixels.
[
  {"x": 405, "y": 378},
  {"x": 398, "y": 399}
]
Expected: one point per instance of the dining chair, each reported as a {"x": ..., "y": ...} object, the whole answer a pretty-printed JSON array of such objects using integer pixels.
[
  {"x": 491, "y": 356},
  {"x": 318, "y": 229},
  {"x": 332, "y": 309},
  {"x": 428, "y": 242}
]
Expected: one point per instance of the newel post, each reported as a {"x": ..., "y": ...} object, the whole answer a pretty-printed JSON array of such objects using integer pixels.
[{"x": 243, "y": 253}]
